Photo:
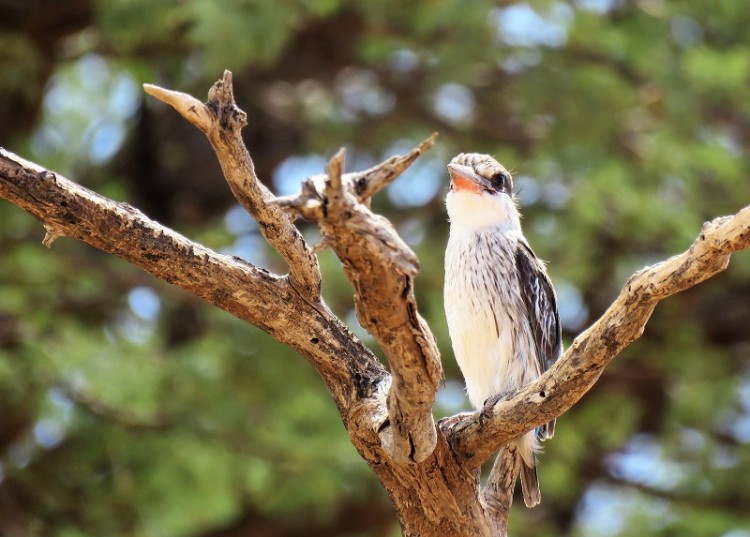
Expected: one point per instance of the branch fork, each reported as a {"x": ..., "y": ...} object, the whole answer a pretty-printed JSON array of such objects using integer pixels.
[
  {"x": 380, "y": 266},
  {"x": 430, "y": 473},
  {"x": 376, "y": 260},
  {"x": 221, "y": 121}
]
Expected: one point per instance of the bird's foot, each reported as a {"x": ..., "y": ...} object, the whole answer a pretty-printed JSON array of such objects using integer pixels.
[
  {"x": 489, "y": 404},
  {"x": 448, "y": 423}
]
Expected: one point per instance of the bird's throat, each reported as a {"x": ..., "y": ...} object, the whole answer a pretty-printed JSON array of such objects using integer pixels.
[{"x": 471, "y": 212}]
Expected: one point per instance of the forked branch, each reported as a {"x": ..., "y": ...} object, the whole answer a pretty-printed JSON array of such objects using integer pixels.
[
  {"x": 388, "y": 417},
  {"x": 382, "y": 268},
  {"x": 222, "y": 121},
  {"x": 67, "y": 209}
]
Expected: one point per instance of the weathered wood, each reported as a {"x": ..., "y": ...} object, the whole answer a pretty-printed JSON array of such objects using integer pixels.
[
  {"x": 222, "y": 121},
  {"x": 431, "y": 474},
  {"x": 268, "y": 301}
]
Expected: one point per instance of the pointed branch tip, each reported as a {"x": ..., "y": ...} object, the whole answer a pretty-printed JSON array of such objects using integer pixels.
[
  {"x": 429, "y": 141},
  {"x": 188, "y": 106},
  {"x": 222, "y": 92},
  {"x": 370, "y": 182}
]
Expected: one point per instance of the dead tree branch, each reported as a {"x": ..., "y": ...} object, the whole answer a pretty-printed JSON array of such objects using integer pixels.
[
  {"x": 250, "y": 293},
  {"x": 432, "y": 476},
  {"x": 222, "y": 121},
  {"x": 377, "y": 262},
  {"x": 381, "y": 267}
]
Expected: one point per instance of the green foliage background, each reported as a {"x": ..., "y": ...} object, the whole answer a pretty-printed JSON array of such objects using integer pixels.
[{"x": 129, "y": 408}]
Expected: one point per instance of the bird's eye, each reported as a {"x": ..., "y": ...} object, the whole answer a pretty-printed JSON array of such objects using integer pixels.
[{"x": 501, "y": 181}]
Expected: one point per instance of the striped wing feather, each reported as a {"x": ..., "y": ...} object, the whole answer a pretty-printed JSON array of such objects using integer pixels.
[{"x": 541, "y": 306}]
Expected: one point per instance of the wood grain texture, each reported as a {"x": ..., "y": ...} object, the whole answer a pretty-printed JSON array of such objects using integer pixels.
[{"x": 250, "y": 293}]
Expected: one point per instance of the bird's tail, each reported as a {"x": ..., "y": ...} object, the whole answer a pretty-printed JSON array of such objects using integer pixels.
[
  {"x": 527, "y": 447},
  {"x": 546, "y": 431},
  {"x": 530, "y": 485}
]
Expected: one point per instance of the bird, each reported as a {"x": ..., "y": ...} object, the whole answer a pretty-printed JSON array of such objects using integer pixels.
[{"x": 500, "y": 304}]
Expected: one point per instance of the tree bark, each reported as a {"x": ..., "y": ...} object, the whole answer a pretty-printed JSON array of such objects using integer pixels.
[{"x": 431, "y": 473}]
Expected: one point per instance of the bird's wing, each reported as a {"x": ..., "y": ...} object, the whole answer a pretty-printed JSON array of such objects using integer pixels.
[{"x": 541, "y": 305}]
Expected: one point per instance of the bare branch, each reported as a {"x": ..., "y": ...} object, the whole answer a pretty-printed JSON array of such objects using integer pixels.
[
  {"x": 582, "y": 364},
  {"x": 351, "y": 372},
  {"x": 309, "y": 202},
  {"x": 188, "y": 106},
  {"x": 222, "y": 121},
  {"x": 382, "y": 269},
  {"x": 369, "y": 182},
  {"x": 335, "y": 173},
  {"x": 388, "y": 417}
]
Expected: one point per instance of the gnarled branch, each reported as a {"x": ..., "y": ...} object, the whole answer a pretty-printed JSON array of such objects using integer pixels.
[
  {"x": 221, "y": 121},
  {"x": 382, "y": 268},
  {"x": 388, "y": 417},
  {"x": 377, "y": 262},
  {"x": 250, "y": 293}
]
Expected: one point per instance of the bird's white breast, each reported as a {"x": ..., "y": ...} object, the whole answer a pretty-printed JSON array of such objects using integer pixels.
[
  {"x": 486, "y": 317},
  {"x": 488, "y": 326}
]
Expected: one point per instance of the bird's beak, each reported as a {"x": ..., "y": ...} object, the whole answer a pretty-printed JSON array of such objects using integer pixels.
[{"x": 464, "y": 178}]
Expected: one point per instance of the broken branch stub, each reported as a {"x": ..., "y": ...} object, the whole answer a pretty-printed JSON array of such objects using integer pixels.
[
  {"x": 311, "y": 203},
  {"x": 369, "y": 182}
]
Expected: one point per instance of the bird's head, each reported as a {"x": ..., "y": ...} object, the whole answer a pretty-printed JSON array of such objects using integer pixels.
[{"x": 481, "y": 194}]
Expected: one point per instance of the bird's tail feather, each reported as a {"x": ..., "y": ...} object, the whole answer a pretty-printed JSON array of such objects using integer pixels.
[
  {"x": 530, "y": 486},
  {"x": 546, "y": 431}
]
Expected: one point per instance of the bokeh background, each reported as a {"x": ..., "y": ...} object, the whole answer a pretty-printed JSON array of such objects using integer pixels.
[{"x": 128, "y": 408}]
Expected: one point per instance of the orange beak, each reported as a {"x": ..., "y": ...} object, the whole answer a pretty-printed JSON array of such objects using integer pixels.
[{"x": 464, "y": 179}]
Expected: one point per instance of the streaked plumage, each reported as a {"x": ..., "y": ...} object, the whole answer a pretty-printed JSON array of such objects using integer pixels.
[{"x": 499, "y": 302}]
